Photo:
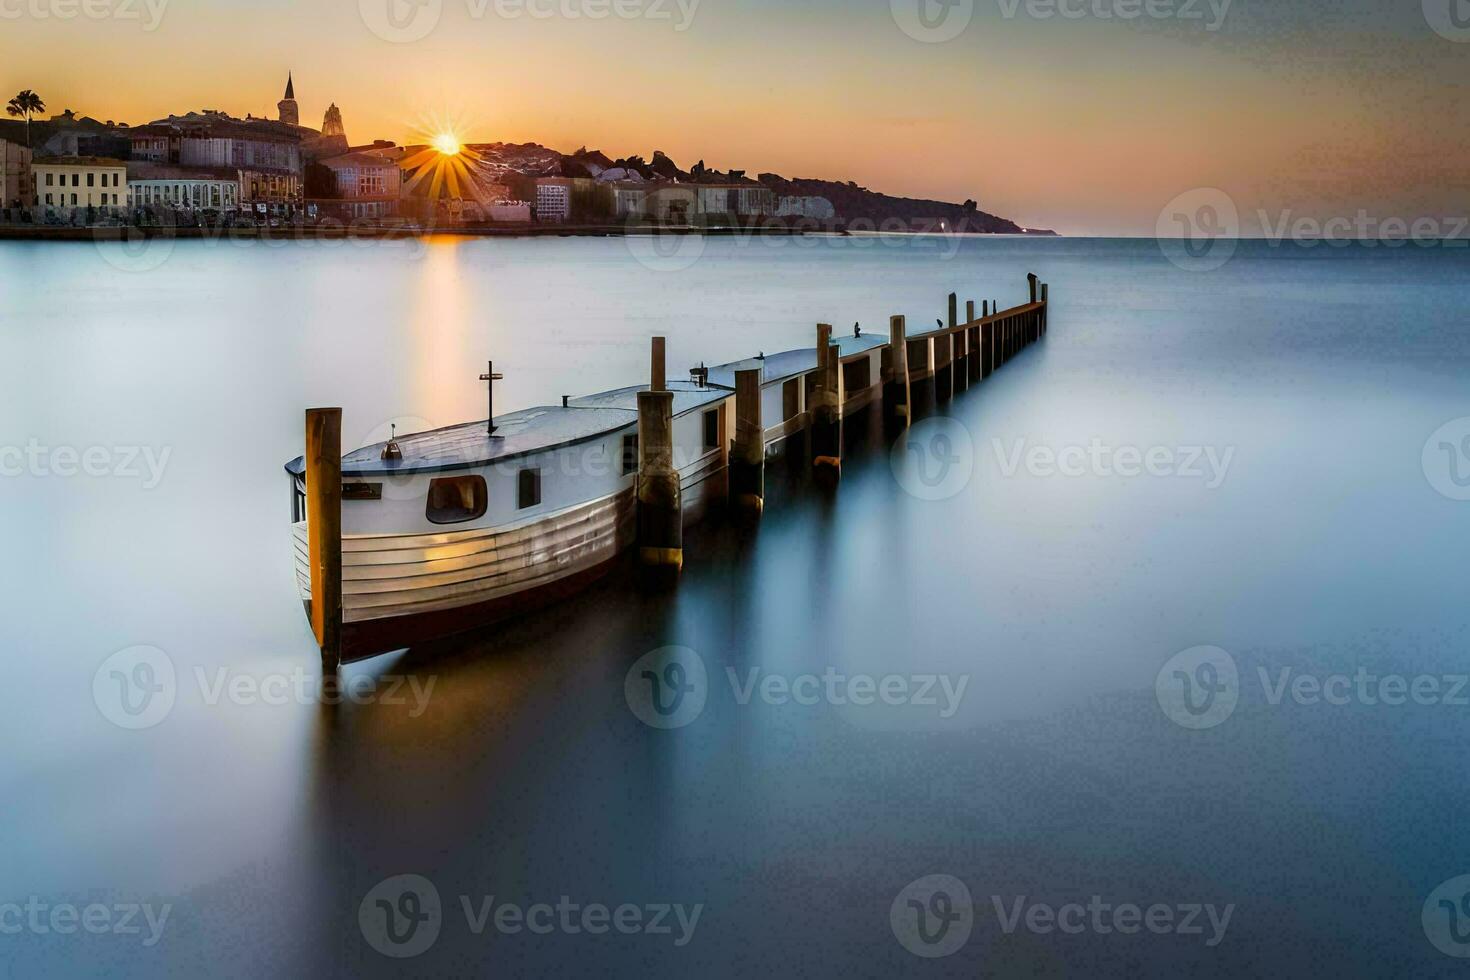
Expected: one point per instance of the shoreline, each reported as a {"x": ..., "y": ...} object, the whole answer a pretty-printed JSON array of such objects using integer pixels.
[{"x": 106, "y": 233}]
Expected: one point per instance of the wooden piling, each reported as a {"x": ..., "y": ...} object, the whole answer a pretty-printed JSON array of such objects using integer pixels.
[
  {"x": 972, "y": 344},
  {"x": 826, "y": 407},
  {"x": 658, "y": 380},
  {"x": 660, "y": 498},
  {"x": 949, "y": 348},
  {"x": 660, "y": 503},
  {"x": 1045, "y": 307},
  {"x": 324, "y": 530},
  {"x": 987, "y": 342},
  {"x": 748, "y": 452},
  {"x": 896, "y": 384}
]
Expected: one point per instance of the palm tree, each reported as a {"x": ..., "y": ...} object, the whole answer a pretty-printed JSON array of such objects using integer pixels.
[{"x": 27, "y": 103}]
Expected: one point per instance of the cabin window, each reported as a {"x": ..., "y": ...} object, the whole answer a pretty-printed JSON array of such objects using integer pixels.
[
  {"x": 790, "y": 400},
  {"x": 630, "y": 454},
  {"x": 857, "y": 376},
  {"x": 456, "y": 499},
  {"x": 712, "y": 429},
  {"x": 528, "y": 488}
]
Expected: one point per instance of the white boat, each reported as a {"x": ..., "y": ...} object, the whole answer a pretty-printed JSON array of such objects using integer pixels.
[{"x": 453, "y": 529}]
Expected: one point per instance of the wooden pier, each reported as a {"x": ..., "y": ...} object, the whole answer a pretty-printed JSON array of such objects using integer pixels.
[{"x": 807, "y": 395}]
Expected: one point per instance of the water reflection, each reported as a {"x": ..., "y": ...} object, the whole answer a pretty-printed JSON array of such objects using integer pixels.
[{"x": 528, "y": 777}]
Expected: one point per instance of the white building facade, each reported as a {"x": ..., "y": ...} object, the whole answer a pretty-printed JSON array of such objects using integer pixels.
[
  {"x": 15, "y": 176},
  {"x": 80, "y": 182}
]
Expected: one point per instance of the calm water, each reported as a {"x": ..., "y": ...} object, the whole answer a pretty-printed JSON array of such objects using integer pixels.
[{"x": 1318, "y": 545}]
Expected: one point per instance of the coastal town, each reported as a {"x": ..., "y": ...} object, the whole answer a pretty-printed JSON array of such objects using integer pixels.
[{"x": 207, "y": 168}]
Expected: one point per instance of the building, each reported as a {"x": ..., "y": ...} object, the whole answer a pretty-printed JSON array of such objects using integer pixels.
[
  {"x": 270, "y": 192},
  {"x": 510, "y": 211},
  {"x": 818, "y": 208},
  {"x": 332, "y": 122},
  {"x": 630, "y": 200},
  {"x": 15, "y": 176},
  {"x": 79, "y": 182},
  {"x": 553, "y": 198},
  {"x": 565, "y": 198},
  {"x": 331, "y": 142},
  {"x": 160, "y": 185},
  {"x": 672, "y": 204},
  {"x": 290, "y": 114},
  {"x": 367, "y": 183},
  {"x": 213, "y": 139}
]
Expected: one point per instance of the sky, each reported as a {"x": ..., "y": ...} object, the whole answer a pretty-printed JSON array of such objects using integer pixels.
[{"x": 1093, "y": 117}]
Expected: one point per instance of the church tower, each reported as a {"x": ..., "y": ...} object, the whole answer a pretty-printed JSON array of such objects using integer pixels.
[
  {"x": 287, "y": 106},
  {"x": 332, "y": 122}
]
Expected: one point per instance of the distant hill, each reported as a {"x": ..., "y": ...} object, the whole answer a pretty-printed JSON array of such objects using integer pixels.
[{"x": 851, "y": 202}]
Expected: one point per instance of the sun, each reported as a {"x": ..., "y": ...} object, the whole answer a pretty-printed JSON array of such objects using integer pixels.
[{"x": 447, "y": 144}]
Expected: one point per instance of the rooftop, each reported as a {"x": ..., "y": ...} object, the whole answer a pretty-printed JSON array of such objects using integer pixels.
[
  {"x": 788, "y": 364},
  {"x": 77, "y": 162},
  {"x": 518, "y": 434}
]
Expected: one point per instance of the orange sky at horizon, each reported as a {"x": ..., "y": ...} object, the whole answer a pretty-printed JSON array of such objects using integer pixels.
[{"x": 1086, "y": 126}]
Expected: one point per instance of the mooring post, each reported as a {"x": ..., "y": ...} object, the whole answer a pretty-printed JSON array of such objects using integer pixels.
[
  {"x": 748, "y": 454},
  {"x": 660, "y": 513},
  {"x": 987, "y": 342},
  {"x": 1031, "y": 282},
  {"x": 324, "y": 530},
  {"x": 826, "y": 409},
  {"x": 1045, "y": 307},
  {"x": 657, "y": 378},
  {"x": 972, "y": 344},
  {"x": 896, "y": 385}
]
